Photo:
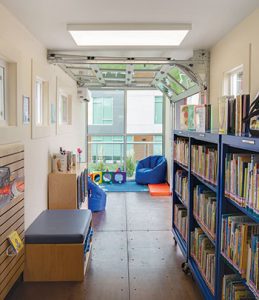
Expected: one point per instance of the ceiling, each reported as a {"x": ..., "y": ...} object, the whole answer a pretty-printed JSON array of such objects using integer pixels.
[
  {"x": 211, "y": 20},
  {"x": 112, "y": 67}
]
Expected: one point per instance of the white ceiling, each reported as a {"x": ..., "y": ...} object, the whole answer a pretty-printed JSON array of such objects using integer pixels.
[{"x": 210, "y": 19}]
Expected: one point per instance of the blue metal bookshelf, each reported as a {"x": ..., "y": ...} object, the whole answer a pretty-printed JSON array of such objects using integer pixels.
[
  {"x": 193, "y": 138},
  {"x": 224, "y": 144}
]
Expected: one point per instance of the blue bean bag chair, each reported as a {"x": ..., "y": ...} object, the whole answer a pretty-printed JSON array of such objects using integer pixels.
[
  {"x": 96, "y": 197},
  {"x": 151, "y": 170}
]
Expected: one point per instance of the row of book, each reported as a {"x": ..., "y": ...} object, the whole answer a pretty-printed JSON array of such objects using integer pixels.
[
  {"x": 181, "y": 151},
  {"x": 181, "y": 220},
  {"x": 204, "y": 162},
  {"x": 195, "y": 117},
  {"x": 181, "y": 185},
  {"x": 234, "y": 288},
  {"x": 203, "y": 252},
  {"x": 232, "y": 111},
  {"x": 204, "y": 208},
  {"x": 82, "y": 187},
  {"x": 242, "y": 179},
  {"x": 240, "y": 246}
]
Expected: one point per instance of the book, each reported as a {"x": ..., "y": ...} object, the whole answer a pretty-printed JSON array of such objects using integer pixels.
[
  {"x": 184, "y": 117},
  {"x": 180, "y": 220},
  {"x": 191, "y": 117},
  {"x": 203, "y": 252},
  {"x": 204, "y": 209},
  {"x": 15, "y": 242},
  {"x": 205, "y": 162},
  {"x": 181, "y": 185},
  {"x": 239, "y": 234},
  {"x": 223, "y": 115},
  {"x": 234, "y": 288},
  {"x": 181, "y": 151},
  {"x": 232, "y": 112},
  {"x": 242, "y": 179},
  {"x": 202, "y": 117}
]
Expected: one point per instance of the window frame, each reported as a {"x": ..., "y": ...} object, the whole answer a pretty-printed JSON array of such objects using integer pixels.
[
  {"x": 161, "y": 102},
  {"x": 230, "y": 81},
  {"x": 63, "y": 97},
  {"x": 39, "y": 105},
  {"x": 3, "y": 103},
  {"x": 102, "y": 110}
]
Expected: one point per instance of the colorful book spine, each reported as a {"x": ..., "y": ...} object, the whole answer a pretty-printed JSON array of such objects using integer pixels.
[
  {"x": 181, "y": 151},
  {"x": 180, "y": 220},
  {"x": 203, "y": 252},
  {"x": 242, "y": 179},
  {"x": 204, "y": 209},
  {"x": 232, "y": 112},
  {"x": 204, "y": 162},
  {"x": 234, "y": 288},
  {"x": 237, "y": 235},
  {"x": 181, "y": 185},
  {"x": 252, "y": 274}
]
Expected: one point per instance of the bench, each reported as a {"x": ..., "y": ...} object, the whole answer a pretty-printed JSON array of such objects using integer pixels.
[{"x": 58, "y": 246}]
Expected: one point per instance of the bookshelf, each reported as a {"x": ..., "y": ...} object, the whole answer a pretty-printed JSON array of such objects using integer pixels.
[
  {"x": 230, "y": 204},
  {"x": 206, "y": 189}
]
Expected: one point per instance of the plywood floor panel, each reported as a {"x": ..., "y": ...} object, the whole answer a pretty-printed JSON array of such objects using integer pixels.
[{"x": 133, "y": 257}]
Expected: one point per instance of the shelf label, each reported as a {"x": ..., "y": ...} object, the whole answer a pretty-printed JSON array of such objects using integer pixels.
[{"x": 248, "y": 142}]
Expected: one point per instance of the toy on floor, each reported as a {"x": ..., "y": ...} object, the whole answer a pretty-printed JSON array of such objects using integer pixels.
[
  {"x": 96, "y": 177},
  {"x": 96, "y": 197},
  {"x": 107, "y": 177}
]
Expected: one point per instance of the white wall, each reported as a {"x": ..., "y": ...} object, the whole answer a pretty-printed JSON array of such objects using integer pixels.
[
  {"x": 239, "y": 47},
  {"x": 18, "y": 45}
]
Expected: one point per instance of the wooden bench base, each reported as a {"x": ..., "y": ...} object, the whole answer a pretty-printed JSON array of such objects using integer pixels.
[{"x": 55, "y": 262}]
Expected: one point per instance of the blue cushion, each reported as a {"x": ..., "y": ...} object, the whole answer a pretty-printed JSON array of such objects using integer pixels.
[
  {"x": 96, "y": 197},
  {"x": 59, "y": 227},
  {"x": 151, "y": 170}
]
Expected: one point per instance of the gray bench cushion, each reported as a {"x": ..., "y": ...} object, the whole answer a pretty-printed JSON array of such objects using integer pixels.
[{"x": 59, "y": 227}]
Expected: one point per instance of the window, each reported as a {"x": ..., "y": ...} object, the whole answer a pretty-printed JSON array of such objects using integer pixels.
[
  {"x": 233, "y": 82},
  {"x": 39, "y": 102},
  {"x": 194, "y": 99},
  {"x": 2, "y": 94},
  {"x": 158, "y": 109},
  {"x": 103, "y": 111}
]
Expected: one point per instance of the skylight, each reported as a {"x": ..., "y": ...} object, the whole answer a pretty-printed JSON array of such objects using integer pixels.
[{"x": 128, "y": 35}]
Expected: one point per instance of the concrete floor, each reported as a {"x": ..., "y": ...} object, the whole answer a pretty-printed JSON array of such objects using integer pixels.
[{"x": 133, "y": 257}]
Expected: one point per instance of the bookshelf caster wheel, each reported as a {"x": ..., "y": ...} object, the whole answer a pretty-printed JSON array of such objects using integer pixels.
[
  {"x": 175, "y": 241},
  {"x": 185, "y": 268}
]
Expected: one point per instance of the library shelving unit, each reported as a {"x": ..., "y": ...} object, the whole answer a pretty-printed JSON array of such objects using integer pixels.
[
  {"x": 212, "y": 141},
  {"x": 185, "y": 164},
  {"x": 228, "y": 205}
]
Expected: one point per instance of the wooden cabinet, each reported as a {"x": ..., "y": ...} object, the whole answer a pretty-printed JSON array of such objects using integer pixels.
[{"x": 68, "y": 190}]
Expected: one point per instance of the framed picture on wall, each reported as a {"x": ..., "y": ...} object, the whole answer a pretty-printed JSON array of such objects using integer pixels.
[{"x": 26, "y": 110}]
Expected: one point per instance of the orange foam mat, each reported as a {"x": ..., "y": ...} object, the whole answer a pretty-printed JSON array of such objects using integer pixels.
[{"x": 161, "y": 189}]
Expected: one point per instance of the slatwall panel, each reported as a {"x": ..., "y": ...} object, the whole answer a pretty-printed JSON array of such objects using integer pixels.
[{"x": 11, "y": 218}]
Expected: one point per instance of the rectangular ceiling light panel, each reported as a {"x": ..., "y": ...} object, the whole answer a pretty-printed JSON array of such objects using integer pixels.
[{"x": 125, "y": 35}]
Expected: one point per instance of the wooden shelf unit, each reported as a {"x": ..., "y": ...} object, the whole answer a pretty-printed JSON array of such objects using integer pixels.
[{"x": 63, "y": 189}]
